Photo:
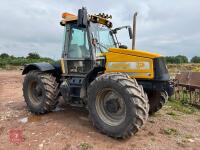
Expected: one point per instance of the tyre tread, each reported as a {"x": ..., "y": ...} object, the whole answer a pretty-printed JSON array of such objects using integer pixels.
[{"x": 137, "y": 96}]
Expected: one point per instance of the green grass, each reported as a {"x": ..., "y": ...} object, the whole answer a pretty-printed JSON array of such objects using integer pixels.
[
  {"x": 170, "y": 131},
  {"x": 181, "y": 106},
  {"x": 189, "y": 136},
  {"x": 172, "y": 113},
  {"x": 85, "y": 146}
]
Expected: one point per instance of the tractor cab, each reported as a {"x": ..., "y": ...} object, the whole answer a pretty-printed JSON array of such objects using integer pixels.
[{"x": 87, "y": 38}]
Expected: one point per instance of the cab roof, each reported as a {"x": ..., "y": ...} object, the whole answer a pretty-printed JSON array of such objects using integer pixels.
[{"x": 68, "y": 17}]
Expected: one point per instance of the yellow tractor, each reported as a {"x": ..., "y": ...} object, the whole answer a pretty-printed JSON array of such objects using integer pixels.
[{"x": 120, "y": 87}]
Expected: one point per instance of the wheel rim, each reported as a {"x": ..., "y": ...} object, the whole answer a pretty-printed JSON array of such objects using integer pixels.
[
  {"x": 35, "y": 92},
  {"x": 110, "y": 106}
]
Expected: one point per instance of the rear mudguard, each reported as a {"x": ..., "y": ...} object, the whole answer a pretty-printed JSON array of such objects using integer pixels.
[{"x": 43, "y": 67}]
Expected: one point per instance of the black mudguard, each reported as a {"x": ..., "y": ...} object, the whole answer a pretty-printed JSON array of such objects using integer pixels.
[
  {"x": 170, "y": 88},
  {"x": 44, "y": 67},
  {"x": 153, "y": 85}
]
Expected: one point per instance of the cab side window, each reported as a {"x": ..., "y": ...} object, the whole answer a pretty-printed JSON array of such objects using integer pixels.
[{"x": 78, "y": 43}]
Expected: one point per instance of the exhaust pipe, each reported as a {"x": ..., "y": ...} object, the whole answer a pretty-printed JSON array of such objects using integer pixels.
[{"x": 134, "y": 30}]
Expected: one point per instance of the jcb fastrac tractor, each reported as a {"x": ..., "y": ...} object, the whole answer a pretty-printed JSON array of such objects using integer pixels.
[{"x": 120, "y": 87}]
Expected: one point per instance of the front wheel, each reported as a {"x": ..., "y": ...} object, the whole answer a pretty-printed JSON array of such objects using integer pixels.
[{"x": 118, "y": 106}]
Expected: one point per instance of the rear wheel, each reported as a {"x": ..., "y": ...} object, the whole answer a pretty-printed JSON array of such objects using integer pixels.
[
  {"x": 40, "y": 92},
  {"x": 118, "y": 106},
  {"x": 157, "y": 99}
]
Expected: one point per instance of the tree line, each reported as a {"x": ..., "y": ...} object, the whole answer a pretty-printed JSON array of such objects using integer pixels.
[
  {"x": 180, "y": 59},
  {"x": 6, "y": 60}
]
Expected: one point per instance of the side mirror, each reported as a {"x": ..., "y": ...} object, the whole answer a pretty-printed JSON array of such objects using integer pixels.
[
  {"x": 130, "y": 33},
  {"x": 82, "y": 18},
  {"x": 123, "y": 46}
]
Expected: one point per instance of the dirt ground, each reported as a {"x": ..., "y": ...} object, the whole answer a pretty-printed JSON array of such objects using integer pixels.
[{"x": 69, "y": 128}]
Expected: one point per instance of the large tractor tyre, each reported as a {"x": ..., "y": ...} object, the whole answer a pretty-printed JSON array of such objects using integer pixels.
[
  {"x": 157, "y": 99},
  {"x": 117, "y": 105},
  {"x": 40, "y": 92}
]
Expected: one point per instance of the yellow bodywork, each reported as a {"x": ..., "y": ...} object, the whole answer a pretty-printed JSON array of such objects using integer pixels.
[{"x": 136, "y": 63}]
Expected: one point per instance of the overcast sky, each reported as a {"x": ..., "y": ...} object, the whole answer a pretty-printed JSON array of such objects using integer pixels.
[{"x": 168, "y": 27}]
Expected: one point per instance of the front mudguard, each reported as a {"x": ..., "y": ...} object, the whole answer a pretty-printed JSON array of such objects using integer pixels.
[
  {"x": 170, "y": 88},
  {"x": 153, "y": 85}
]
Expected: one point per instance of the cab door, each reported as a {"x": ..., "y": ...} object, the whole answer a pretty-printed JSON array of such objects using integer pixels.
[{"x": 77, "y": 55}]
